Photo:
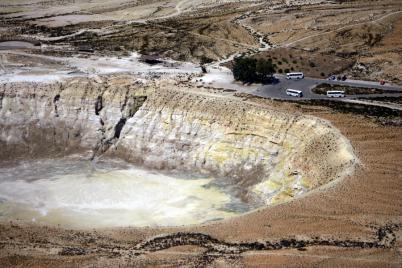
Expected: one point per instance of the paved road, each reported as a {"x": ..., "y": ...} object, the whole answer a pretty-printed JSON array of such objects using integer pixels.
[{"x": 278, "y": 90}]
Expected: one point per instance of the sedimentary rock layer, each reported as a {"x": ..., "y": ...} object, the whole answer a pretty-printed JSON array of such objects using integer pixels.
[{"x": 267, "y": 154}]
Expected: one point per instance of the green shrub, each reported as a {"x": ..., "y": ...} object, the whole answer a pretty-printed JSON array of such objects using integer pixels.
[
  {"x": 264, "y": 68},
  {"x": 244, "y": 69},
  {"x": 250, "y": 70}
]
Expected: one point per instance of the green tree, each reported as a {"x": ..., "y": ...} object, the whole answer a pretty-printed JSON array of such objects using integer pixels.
[
  {"x": 244, "y": 69},
  {"x": 250, "y": 70},
  {"x": 265, "y": 69}
]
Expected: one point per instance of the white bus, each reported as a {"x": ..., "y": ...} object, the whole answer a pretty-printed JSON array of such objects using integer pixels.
[
  {"x": 336, "y": 94},
  {"x": 294, "y": 76},
  {"x": 294, "y": 93}
]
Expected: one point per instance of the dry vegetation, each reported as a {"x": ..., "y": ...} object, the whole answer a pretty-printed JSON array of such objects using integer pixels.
[{"x": 315, "y": 64}]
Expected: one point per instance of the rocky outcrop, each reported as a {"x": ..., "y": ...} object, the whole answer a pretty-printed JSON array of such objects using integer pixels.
[
  {"x": 265, "y": 153},
  {"x": 39, "y": 119}
]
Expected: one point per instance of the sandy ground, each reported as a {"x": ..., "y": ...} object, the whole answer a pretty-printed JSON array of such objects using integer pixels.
[
  {"x": 222, "y": 77},
  {"x": 104, "y": 10},
  {"x": 362, "y": 38},
  {"x": 18, "y": 66}
]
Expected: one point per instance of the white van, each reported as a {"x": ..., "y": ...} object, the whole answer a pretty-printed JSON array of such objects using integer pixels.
[
  {"x": 296, "y": 76},
  {"x": 294, "y": 93},
  {"x": 336, "y": 94}
]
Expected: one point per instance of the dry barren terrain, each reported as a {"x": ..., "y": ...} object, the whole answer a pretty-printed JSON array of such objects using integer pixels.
[
  {"x": 360, "y": 38},
  {"x": 308, "y": 184}
]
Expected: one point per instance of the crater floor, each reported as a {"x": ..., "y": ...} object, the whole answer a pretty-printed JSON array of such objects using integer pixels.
[
  {"x": 78, "y": 193},
  {"x": 257, "y": 147}
]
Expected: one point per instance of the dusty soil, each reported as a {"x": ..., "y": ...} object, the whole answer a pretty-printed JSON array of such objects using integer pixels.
[
  {"x": 367, "y": 32},
  {"x": 358, "y": 38},
  {"x": 354, "y": 222},
  {"x": 397, "y": 100},
  {"x": 165, "y": 28}
]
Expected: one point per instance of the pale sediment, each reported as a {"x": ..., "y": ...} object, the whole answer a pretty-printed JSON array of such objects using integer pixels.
[{"x": 265, "y": 153}]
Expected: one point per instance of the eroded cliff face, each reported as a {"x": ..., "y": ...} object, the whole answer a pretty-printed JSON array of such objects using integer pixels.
[
  {"x": 267, "y": 154},
  {"x": 61, "y": 118}
]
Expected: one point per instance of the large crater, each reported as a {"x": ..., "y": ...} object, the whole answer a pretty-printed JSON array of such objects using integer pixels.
[{"x": 99, "y": 153}]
